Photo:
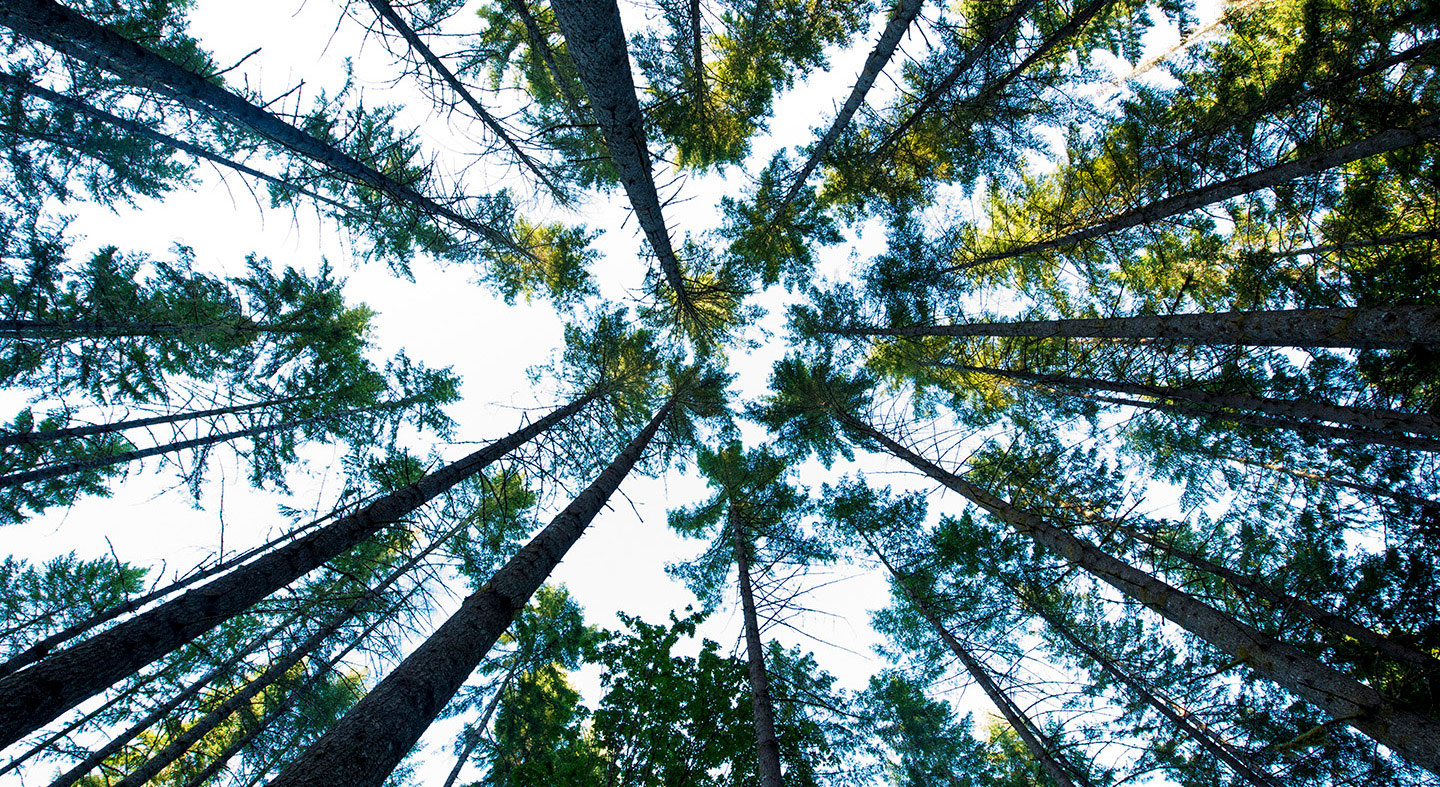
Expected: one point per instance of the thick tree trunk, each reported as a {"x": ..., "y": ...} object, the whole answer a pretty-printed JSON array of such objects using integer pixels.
[
  {"x": 67, "y": 31},
  {"x": 474, "y": 741},
  {"x": 1182, "y": 719},
  {"x": 1312, "y": 164},
  {"x": 596, "y": 41},
  {"x": 387, "y": 12},
  {"x": 900, "y": 18},
  {"x": 1361, "y": 328},
  {"x": 157, "y": 714},
  {"x": 64, "y": 732},
  {"x": 72, "y": 432},
  {"x": 1337, "y": 624},
  {"x": 124, "y": 124},
  {"x": 1409, "y": 734},
  {"x": 376, "y": 734},
  {"x": 1371, "y": 418},
  {"x": 767, "y": 744},
  {"x": 1019, "y": 722},
  {"x": 32, "y": 697}
]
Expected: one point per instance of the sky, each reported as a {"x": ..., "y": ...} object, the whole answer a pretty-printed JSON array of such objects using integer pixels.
[{"x": 444, "y": 318}]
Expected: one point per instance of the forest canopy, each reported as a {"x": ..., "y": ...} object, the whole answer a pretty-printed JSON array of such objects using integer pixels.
[{"x": 1040, "y": 393}]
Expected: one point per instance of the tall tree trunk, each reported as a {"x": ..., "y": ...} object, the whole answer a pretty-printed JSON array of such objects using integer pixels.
[
  {"x": 385, "y": 11},
  {"x": 1369, "y": 489},
  {"x": 767, "y": 744},
  {"x": 32, "y": 697},
  {"x": 158, "y": 714},
  {"x": 67, "y": 31},
  {"x": 1026, "y": 729},
  {"x": 1409, "y": 734},
  {"x": 72, "y": 432},
  {"x": 1178, "y": 716},
  {"x": 1371, "y": 418},
  {"x": 102, "y": 329},
  {"x": 973, "y": 55},
  {"x": 596, "y": 41},
  {"x": 474, "y": 741},
  {"x": 1366, "y": 243},
  {"x": 1311, "y": 164},
  {"x": 19, "y": 85},
  {"x": 1361, "y": 328},
  {"x": 64, "y": 732},
  {"x": 901, "y": 17},
  {"x": 541, "y": 42},
  {"x": 1337, "y": 624},
  {"x": 377, "y": 733}
]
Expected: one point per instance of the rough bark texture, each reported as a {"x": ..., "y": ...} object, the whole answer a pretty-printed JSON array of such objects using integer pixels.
[
  {"x": 596, "y": 41},
  {"x": 905, "y": 13},
  {"x": 1372, "y": 418},
  {"x": 1409, "y": 734},
  {"x": 34, "y": 696},
  {"x": 1374, "y": 145},
  {"x": 1361, "y": 328},
  {"x": 67, "y": 31},
  {"x": 366, "y": 745},
  {"x": 767, "y": 744},
  {"x": 1018, "y": 720},
  {"x": 71, "y": 432},
  {"x": 51, "y": 739}
]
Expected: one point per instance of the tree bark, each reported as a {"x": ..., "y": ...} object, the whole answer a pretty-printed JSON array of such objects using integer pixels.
[
  {"x": 1409, "y": 734},
  {"x": 67, "y": 31},
  {"x": 480, "y": 728},
  {"x": 71, "y": 432},
  {"x": 1367, "y": 243},
  {"x": 32, "y": 697},
  {"x": 541, "y": 42},
  {"x": 74, "y": 725},
  {"x": 767, "y": 744},
  {"x": 596, "y": 41},
  {"x": 1019, "y": 722},
  {"x": 1361, "y": 328},
  {"x": 378, "y": 731},
  {"x": 900, "y": 19},
  {"x": 1312, "y": 164},
  {"x": 1369, "y": 489}
]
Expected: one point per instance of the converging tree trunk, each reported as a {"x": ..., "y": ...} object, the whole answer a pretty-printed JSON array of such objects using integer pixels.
[
  {"x": 1322, "y": 478},
  {"x": 32, "y": 697},
  {"x": 474, "y": 742},
  {"x": 72, "y": 432},
  {"x": 767, "y": 744},
  {"x": 379, "y": 731}
]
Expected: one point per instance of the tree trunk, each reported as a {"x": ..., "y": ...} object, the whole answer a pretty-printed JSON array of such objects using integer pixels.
[
  {"x": 158, "y": 714},
  {"x": 67, "y": 31},
  {"x": 100, "y": 329},
  {"x": 541, "y": 42},
  {"x": 71, "y": 727},
  {"x": 1361, "y": 328},
  {"x": 1411, "y": 735},
  {"x": 1019, "y": 722},
  {"x": 904, "y": 13},
  {"x": 377, "y": 733},
  {"x": 1370, "y": 418},
  {"x": 1182, "y": 719},
  {"x": 31, "y": 698},
  {"x": 1367, "y": 243},
  {"x": 1337, "y": 624},
  {"x": 1369, "y": 489},
  {"x": 480, "y": 728},
  {"x": 387, "y": 12},
  {"x": 71, "y": 432},
  {"x": 124, "y": 124},
  {"x": 767, "y": 744},
  {"x": 596, "y": 41},
  {"x": 1311, "y": 164}
]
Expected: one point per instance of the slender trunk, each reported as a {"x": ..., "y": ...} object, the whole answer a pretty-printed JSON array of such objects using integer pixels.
[
  {"x": 1337, "y": 624},
  {"x": 68, "y": 433},
  {"x": 38, "y": 650},
  {"x": 100, "y": 329},
  {"x": 900, "y": 19},
  {"x": 596, "y": 41},
  {"x": 1411, "y": 735},
  {"x": 480, "y": 728},
  {"x": 387, "y": 12},
  {"x": 124, "y": 124},
  {"x": 1369, "y": 489},
  {"x": 1022, "y": 725},
  {"x": 1178, "y": 716},
  {"x": 31, "y": 698},
  {"x": 541, "y": 42},
  {"x": 1311, "y": 164},
  {"x": 1371, "y": 418},
  {"x": 766, "y": 743},
  {"x": 366, "y": 745},
  {"x": 973, "y": 55},
  {"x": 67, "y": 31},
  {"x": 1367, "y": 243},
  {"x": 157, "y": 714},
  {"x": 697, "y": 52},
  {"x": 1361, "y": 328}
]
